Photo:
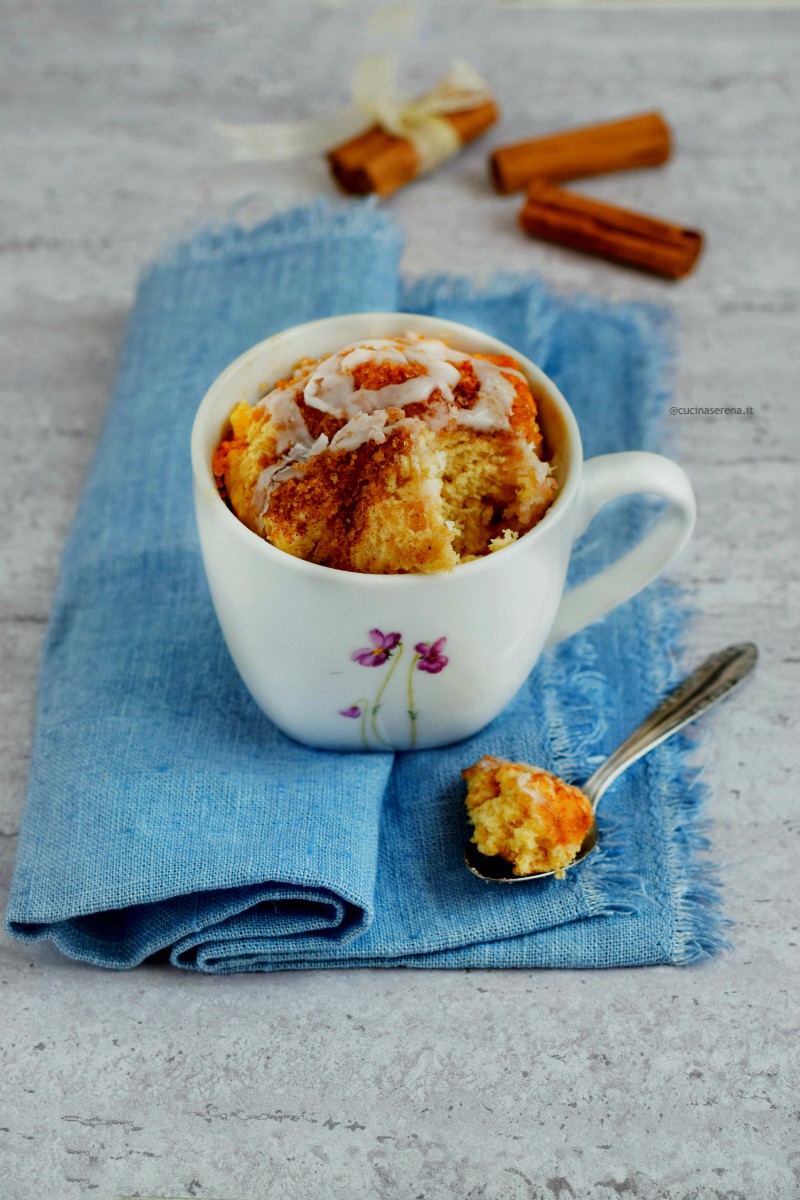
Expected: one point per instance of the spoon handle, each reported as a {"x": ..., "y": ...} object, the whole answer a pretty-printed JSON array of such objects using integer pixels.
[{"x": 713, "y": 680}]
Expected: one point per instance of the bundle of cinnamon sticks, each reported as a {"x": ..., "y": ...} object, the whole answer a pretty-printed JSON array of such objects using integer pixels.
[
  {"x": 559, "y": 215},
  {"x": 410, "y": 137},
  {"x": 381, "y": 162}
]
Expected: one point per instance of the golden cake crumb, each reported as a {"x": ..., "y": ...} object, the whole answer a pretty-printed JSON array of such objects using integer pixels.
[
  {"x": 506, "y": 538},
  {"x": 526, "y": 815},
  {"x": 393, "y": 455}
]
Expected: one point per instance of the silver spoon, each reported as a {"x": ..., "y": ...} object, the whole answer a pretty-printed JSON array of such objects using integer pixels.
[{"x": 713, "y": 680}]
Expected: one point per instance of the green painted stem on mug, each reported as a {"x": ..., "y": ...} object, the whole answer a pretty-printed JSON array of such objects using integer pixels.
[
  {"x": 395, "y": 660},
  {"x": 412, "y": 712}
]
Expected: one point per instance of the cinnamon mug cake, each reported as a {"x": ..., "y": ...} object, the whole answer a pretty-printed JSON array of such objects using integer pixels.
[{"x": 392, "y": 589}]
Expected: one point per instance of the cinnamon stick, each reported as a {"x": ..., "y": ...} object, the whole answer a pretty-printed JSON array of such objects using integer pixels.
[
  {"x": 557, "y": 215},
  {"x": 640, "y": 141},
  {"x": 376, "y": 161}
]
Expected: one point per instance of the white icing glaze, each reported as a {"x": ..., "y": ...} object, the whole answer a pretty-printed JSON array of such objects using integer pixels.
[
  {"x": 331, "y": 388},
  {"x": 495, "y": 399},
  {"x": 287, "y": 420},
  {"x": 360, "y": 429}
]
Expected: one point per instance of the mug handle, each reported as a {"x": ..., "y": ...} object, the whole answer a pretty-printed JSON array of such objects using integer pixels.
[{"x": 605, "y": 478}]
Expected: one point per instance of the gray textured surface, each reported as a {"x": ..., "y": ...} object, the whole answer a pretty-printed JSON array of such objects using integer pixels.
[{"x": 657, "y": 1084}]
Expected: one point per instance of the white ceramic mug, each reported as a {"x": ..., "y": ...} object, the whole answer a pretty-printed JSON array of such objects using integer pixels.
[{"x": 347, "y": 661}]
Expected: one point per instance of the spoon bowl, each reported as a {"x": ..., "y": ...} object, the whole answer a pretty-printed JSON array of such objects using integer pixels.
[
  {"x": 494, "y": 869},
  {"x": 711, "y": 682}
]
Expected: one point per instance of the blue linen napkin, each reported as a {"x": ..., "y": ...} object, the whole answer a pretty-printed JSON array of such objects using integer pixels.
[{"x": 166, "y": 814}]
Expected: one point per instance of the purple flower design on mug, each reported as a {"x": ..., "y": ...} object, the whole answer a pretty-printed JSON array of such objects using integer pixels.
[
  {"x": 431, "y": 658},
  {"x": 379, "y": 652},
  {"x": 428, "y": 657}
]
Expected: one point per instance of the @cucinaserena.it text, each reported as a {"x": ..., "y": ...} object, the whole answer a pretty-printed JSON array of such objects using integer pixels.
[{"x": 698, "y": 411}]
